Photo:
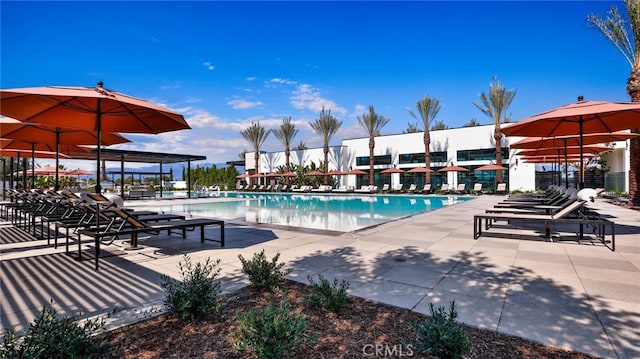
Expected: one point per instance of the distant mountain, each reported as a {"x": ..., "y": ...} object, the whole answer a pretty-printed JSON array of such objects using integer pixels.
[{"x": 177, "y": 169}]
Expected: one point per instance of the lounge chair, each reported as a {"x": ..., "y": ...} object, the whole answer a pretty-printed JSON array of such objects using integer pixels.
[
  {"x": 461, "y": 189},
  {"x": 366, "y": 189},
  {"x": 501, "y": 188},
  {"x": 136, "y": 225},
  {"x": 477, "y": 188},
  {"x": 426, "y": 188},
  {"x": 322, "y": 189},
  {"x": 570, "y": 214},
  {"x": 344, "y": 189},
  {"x": 385, "y": 188},
  {"x": 412, "y": 188},
  {"x": 444, "y": 188},
  {"x": 398, "y": 188}
]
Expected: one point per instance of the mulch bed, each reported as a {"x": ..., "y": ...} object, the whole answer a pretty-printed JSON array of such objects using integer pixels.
[{"x": 353, "y": 333}]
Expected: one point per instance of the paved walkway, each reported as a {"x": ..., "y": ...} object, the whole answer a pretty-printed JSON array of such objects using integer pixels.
[{"x": 579, "y": 296}]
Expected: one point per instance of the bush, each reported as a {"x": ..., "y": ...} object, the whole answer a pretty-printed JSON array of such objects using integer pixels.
[
  {"x": 196, "y": 294},
  {"x": 263, "y": 274},
  {"x": 270, "y": 332},
  {"x": 442, "y": 335},
  {"x": 50, "y": 337},
  {"x": 325, "y": 295}
]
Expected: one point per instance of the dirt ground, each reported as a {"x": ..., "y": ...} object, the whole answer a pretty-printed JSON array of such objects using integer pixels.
[{"x": 356, "y": 332}]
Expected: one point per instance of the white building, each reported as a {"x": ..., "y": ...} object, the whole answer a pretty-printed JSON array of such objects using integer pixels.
[{"x": 469, "y": 147}]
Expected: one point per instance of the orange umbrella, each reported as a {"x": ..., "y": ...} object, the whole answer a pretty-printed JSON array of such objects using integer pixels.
[
  {"x": 577, "y": 119},
  {"x": 453, "y": 168},
  {"x": 391, "y": 170},
  {"x": 572, "y": 141},
  {"x": 316, "y": 173},
  {"x": 420, "y": 170},
  {"x": 491, "y": 167},
  {"x": 21, "y": 153},
  {"x": 562, "y": 151},
  {"x": 290, "y": 174},
  {"x": 356, "y": 172},
  {"x": 40, "y": 146},
  {"x": 88, "y": 108},
  {"x": 335, "y": 173},
  {"x": 244, "y": 175}
]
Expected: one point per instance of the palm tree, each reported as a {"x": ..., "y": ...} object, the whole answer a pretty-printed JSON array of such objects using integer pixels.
[
  {"x": 285, "y": 134},
  {"x": 428, "y": 109},
  {"x": 326, "y": 127},
  {"x": 302, "y": 146},
  {"x": 614, "y": 28},
  {"x": 255, "y": 135},
  {"x": 411, "y": 128},
  {"x": 373, "y": 124},
  {"x": 495, "y": 105},
  {"x": 439, "y": 125},
  {"x": 473, "y": 123}
]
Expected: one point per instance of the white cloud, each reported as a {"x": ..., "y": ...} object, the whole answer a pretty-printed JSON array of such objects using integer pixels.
[
  {"x": 239, "y": 104},
  {"x": 251, "y": 78},
  {"x": 306, "y": 96},
  {"x": 208, "y": 65},
  {"x": 277, "y": 80}
]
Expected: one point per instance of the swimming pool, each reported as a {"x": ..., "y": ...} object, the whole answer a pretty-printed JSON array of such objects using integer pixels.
[{"x": 343, "y": 213}]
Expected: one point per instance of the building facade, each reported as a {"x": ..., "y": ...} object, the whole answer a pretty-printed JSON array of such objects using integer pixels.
[{"x": 468, "y": 147}]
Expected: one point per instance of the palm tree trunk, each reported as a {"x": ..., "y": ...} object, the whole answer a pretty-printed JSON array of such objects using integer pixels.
[
  {"x": 633, "y": 89},
  {"x": 256, "y": 163},
  {"x": 497, "y": 135},
  {"x": 326, "y": 163},
  {"x": 372, "y": 145},
  {"x": 287, "y": 154},
  {"x": 427, "y": 155}
]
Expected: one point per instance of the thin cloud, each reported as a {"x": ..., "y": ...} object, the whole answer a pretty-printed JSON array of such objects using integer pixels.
[
  {"x": 307, "y": 97},
  {"x": 208, "y": 65},
  {"x": 251, "y": 78},
  {"x": 240, "y": 104}
]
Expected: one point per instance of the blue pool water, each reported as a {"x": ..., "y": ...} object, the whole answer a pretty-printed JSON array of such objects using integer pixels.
[{"x": 331, "y": 212}]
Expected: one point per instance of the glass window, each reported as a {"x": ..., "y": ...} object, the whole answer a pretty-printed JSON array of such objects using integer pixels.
[
  {"x": 440, "y": 156},
  {"x": 481, "y": 154},
  {"x": 377, "y": 160}
]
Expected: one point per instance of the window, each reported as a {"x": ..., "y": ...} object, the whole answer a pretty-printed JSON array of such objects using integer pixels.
[
  {"x": 377, "y": 160},
  {"x": 482, "y": 154},
  {"x": 404, "y": 158}
]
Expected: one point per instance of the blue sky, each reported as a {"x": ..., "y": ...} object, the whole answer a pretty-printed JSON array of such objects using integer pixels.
[{"x": 225, "y": 65}]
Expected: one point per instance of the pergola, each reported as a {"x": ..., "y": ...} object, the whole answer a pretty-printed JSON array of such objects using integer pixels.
[{"x": 141, "y": 157}]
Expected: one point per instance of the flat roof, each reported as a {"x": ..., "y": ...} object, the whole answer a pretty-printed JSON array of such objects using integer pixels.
[{"x": 109, "y": 154}]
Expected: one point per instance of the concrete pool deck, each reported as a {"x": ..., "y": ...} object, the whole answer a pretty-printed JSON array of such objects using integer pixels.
[{"x": 578, "y": 296}]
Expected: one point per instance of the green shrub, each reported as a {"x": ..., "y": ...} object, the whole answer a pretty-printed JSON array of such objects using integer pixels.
[
  {"x": 326, "y": 295},
  {"x": 50, "y": 337},
  {"x": 196, "y": 294},
  {"x": 442, "y": 335},
  {"x": 271, "y": 332},
  {"x": 263, "y": 274}
]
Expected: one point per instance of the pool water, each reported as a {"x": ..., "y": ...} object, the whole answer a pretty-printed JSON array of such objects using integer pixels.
[{"x": 343, "y": 213}]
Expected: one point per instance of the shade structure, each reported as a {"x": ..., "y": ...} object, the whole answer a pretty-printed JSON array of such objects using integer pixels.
[
  {"x": 491, "y": 167},
  {"x": 78, "y": 172},
  {"x": 593, "y": 149},
  {"x": 453, "y": 168},
  {"x": 37, "y": 154},
  {"x": 316, "y": 173},
  {"x": 577, "y": 119},
  {"x": 290, "y": 174},
  {"x": 356, "y": 172},
  {"x": 392, "y": 170},
  {"x": 55, "y": 137},
  {"x": 273, "y": 174},
  {"x": 244, "y": 175},
  {"x": 551, "y": 159},
  {"x": 420, "y": 170},
  {"x": 9, "y": 144},
  {"x": 571, "y": 141},
  {"x": 88, "y": 108},
  {"x": 335, "y": 173}
]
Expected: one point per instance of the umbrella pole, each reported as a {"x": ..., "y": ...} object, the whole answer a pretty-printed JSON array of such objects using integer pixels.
[
  {"x": 57, "y": 184},
  {"x": 33, "y": 164},
  {"x": 581, "y": 180},
  {"x": 566, "y": 164}
]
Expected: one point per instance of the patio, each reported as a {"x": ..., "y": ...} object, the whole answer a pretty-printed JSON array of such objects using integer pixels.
[{"x": 581, "y": 297}]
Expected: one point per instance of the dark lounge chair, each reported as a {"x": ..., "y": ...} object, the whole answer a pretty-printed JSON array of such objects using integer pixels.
[{"x": 137, "y": 225}]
